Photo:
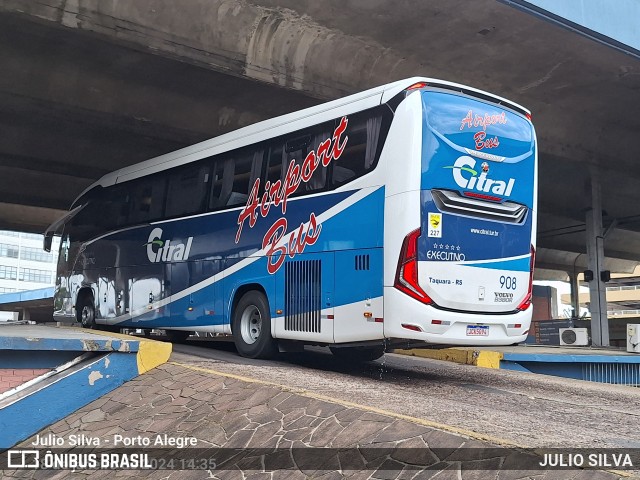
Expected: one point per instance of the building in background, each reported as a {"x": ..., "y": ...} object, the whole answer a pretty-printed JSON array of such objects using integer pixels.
[
  {"x": 545, "y": 302},
  {"x": 24, "y": 265},
  {"x": 623, "y": 295}
]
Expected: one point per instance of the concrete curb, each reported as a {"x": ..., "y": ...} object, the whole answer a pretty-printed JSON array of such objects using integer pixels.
[
  {"x": 465, "y": 356},
  {"x": 83, "y": 365},
  {"x": 151, "y": 353},
  {"x": 589, "y": 364}
]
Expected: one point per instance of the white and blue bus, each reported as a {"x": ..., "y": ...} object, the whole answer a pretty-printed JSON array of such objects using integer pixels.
[{"x": 402, "y": 215}]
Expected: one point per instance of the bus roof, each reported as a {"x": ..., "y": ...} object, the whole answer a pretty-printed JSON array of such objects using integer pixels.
[{"x": 282, "y": 125}]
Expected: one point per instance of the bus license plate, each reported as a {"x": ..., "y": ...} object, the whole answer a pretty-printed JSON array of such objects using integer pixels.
[{"x": 477, "y": 331}]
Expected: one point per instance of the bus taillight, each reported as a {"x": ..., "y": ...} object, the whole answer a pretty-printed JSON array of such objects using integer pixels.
[
  {"x": 407, "y": 272},
  {"x": 526, "y": 303},
  {"x": 417, "y": 86},
  {"x": 482, "y": 196}
]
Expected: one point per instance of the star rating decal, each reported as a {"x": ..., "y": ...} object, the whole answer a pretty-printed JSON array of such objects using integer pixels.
[{"x": 442, "y": 246}]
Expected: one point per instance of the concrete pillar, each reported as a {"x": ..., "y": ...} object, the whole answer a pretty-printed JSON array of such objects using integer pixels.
[
  {"x": 25, "y": 314},
  {"x": 595, "y": 252},
  {"x": 575, "y": 293},
  {"x": 575, "y": 287}
]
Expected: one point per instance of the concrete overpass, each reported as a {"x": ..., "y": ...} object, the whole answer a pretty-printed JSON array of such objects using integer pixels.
[{"x": 90, "y": 86}]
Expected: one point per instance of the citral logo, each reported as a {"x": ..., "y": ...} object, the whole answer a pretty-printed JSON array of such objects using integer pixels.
[
  {"x": 167, "y": 252},
  {"x": 465, "y": 165}
]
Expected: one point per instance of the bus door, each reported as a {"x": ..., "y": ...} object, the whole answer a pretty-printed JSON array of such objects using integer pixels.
[
  {"x": 106, "y": 287},
  {"x": 305, "y": 294},
  {"x": 62, "y": 298}
]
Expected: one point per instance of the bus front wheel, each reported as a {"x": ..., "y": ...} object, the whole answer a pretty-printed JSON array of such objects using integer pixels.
[
  {"x": 252, "y": 327},
  {"x": 86, "y": 312}
]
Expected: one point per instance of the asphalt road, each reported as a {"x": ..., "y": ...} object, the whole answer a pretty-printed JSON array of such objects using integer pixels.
[{"x": 516, "y": 408}]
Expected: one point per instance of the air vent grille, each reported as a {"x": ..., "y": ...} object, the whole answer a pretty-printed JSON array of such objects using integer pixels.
[
  {"x": 362, "y": 262},
  {"x": 303, "y": 296}
]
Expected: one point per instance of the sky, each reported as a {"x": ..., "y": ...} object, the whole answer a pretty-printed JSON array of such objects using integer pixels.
[{"x": 617, "y": 19}]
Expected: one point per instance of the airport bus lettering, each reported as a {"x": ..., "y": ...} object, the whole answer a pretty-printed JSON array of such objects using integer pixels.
[{"x": 278, "y": 192}]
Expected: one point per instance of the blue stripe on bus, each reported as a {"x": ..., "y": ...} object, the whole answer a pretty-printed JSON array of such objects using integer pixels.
[
  {"x": 516, "y": 265},
  {"x": 356, "y": 230}
]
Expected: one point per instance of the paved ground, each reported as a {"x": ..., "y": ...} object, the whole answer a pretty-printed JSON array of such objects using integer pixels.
[
  {"x": 187, "y": 398},
  {"x": 515, "y": 408}
]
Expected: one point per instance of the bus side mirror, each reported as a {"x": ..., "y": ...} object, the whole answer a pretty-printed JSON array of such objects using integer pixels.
[{"x": 48, "y": 239}]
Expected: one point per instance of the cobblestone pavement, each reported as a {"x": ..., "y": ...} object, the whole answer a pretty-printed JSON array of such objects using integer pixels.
[{"x": 271, "y": 432}]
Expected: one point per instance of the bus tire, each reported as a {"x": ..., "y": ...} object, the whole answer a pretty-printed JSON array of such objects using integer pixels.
[
  {"x": 358, "y": 354},
  {"x": 252, "y": 327},
  {"x": 86, "y": 311},
  {"x": 176, "y": 336}
]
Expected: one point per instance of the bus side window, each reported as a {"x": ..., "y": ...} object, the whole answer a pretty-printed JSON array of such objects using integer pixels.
[
  {"x": 359, "y": 155},
  {"x": 217, "y": 176},
  {"x": 318, "y": 180},
  {"x": 275, "y": 169},
  {"x": 116, "y": 207},
  {"x": 187, "y": 191},
  {"x": 148, "y": 199},
  {"x": 245, "y": 171},
  {"x": 86, "y": 223},
  {"x": 295, "y": 148},
  {"x": 222, "y": 183},
  {"x": 233, "y": 177}
]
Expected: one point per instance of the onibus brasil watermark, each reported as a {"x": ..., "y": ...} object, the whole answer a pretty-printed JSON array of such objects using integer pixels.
[
  {"x": 117, "y": 452},
  {"x": 174, "y": 452}
]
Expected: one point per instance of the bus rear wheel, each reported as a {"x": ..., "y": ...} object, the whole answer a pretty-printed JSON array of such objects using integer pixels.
[
  {"x": 358, "y": 354},
  {"x": 252, "y": 327}
]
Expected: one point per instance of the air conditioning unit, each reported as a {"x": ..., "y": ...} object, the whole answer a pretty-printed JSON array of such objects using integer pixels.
[
  {"x": 574, "y": 336},
  {"x": 633, "y": 338}
]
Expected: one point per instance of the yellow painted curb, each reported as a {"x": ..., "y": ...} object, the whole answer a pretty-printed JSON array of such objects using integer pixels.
[
  {"x": 465, "y": 356},
  {"x": 151, "y": 353}
]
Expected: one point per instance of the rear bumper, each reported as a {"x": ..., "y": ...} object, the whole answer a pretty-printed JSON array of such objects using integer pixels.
[{"x": 401, "y": 309}]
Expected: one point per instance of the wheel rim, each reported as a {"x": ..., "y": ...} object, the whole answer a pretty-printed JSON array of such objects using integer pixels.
[
  {"x": 250, "y": 324},
  {"x": 86, "y": 316}
]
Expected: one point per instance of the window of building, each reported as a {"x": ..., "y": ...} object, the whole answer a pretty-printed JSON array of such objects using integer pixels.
[
  {"x": 8, "y": 273},
  {"x": 36, "y": 255},
  {"x": 9, "y": 251},
  {"x": 32, "y": 236},
  {"x": 33, "y": 275},
  {"x": 7, "y": 290}
]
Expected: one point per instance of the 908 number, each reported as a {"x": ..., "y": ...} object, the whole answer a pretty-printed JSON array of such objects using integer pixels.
[{"x": 508, "y": 283}]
